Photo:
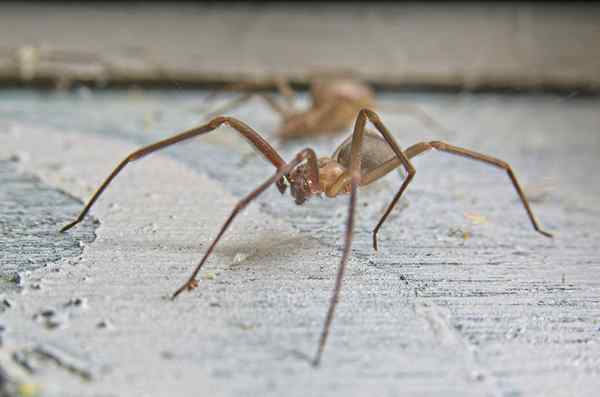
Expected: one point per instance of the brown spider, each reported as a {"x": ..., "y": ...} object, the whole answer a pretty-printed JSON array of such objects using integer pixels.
[
  {"x": 335, "y": 101},
  {"x": 362, "y": 159}
]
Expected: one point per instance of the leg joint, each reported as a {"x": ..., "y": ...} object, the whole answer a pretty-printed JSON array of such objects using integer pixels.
[
  {"x": 217, "y": 121},
  {"x": 371, "y": 115},
  {"x": 306, "y": 153},
  {"x": 438, "y": 145}
]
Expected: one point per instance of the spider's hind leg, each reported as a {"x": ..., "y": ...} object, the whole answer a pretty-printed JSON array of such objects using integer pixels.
[{"x": 458, "y": 151}]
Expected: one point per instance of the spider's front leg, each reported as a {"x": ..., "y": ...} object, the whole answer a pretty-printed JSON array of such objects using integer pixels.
[
  {"x": 252, "y": 136},
  {"x": 281, "y": 84},
  {"x": 354, "y": 182},
  {"x": 356, "y": 157},
  {"x": 354, "y": 177}
]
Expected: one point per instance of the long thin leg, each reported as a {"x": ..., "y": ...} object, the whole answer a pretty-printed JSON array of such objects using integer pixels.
[
  {"x": 253, "y": 137},
  {"x": 390, "y": 207},
  {"x": 355, "y": 179},
  {"x": 355, "y": 161},
  {"x": 421, "y": 147},
  {"x": 191, "y": 283},
  {"x": 286, "y": 90},
  {"x": 281, "y": 84},
  {"x": 444, "y": 147},
  {"x": 241, "y": 86},
  {"x": 308, "y": 122},
  {"x": 238, "y": 101}
]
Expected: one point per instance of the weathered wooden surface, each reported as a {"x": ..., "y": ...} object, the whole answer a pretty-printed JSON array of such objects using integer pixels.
[
  {"x": 458, "y": 46},
  {"x": 28, "y": 219},
  {"x": 503, "y": 312}
]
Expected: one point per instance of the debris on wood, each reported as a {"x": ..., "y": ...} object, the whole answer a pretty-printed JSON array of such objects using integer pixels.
[
  {"x": 459, "y": 233},
  {"x": 476, "y": 218}
]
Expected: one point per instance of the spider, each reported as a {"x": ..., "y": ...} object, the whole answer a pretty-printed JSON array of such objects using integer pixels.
[
  {"x": 360, "y": 160},
  {"x": 335, "y": 101}
]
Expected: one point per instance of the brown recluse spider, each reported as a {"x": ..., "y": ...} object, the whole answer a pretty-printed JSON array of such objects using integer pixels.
[
  {"x": 334, "y": 102},
  {"x": 362, "y": 159}
]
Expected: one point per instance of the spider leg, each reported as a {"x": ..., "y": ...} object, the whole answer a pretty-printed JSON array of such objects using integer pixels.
[
  {"x": 355, "y": 162},
  {"x": 240, "y": 86},
  {"x": 281, "y": 84},
  {"x": 253, "y": 137},
  {"x": 444, "y": 147},
  {"x": 285, "y": 89},
  {"x": 355, "y": 179},
  {"x": 309, "y": 122},
  {"x": 283, "y": 171},
  {"x": 236, "y": 102},
  {"x": 421, "y": 147}
]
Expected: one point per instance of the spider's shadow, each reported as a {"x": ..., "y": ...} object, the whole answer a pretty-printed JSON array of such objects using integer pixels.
[{"x": 267, "y": 245}]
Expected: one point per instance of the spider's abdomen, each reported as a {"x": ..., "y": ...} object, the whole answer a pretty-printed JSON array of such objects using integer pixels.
[
  {"x": 375, "y": 152},
  {"x": 324, "y": 91}
]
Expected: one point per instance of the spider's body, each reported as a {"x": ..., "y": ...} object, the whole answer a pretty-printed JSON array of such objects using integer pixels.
[
  {"x": 334, "y": 105},
  {"x": 375, "y": 152},
  {"x": 358, "y": 161}
]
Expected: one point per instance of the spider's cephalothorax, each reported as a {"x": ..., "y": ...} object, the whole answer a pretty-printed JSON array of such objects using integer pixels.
[
  {"x": 303, "y": 184},
  {"x": 375, "y": 152}
]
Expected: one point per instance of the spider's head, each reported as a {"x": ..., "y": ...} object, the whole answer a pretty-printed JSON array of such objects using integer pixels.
[{"x": 301, "y": 185}]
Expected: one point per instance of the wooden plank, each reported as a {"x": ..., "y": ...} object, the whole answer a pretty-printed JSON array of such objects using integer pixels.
[
  {"x": 500, "y": 310},
  {"x": 448, "y": 46}
]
